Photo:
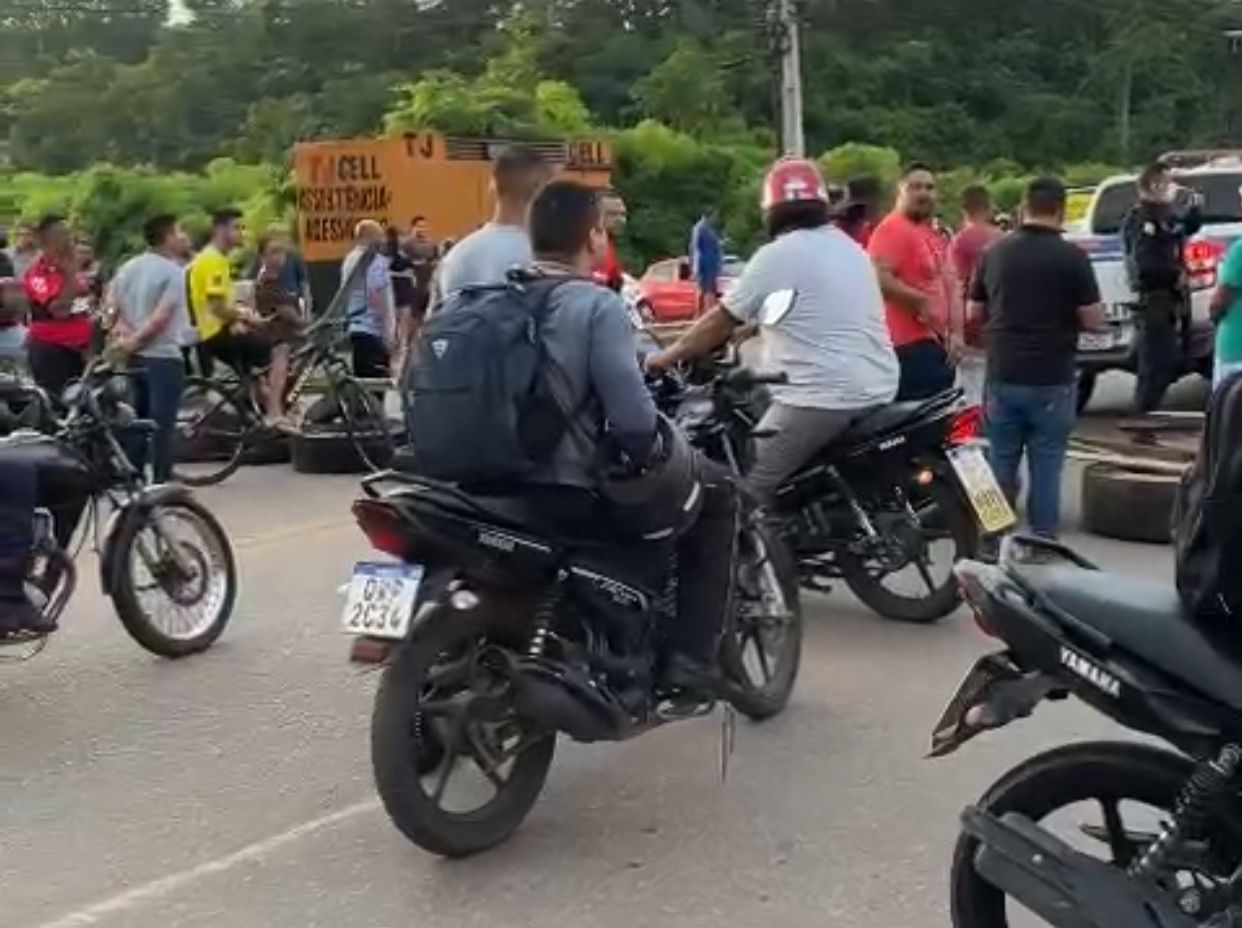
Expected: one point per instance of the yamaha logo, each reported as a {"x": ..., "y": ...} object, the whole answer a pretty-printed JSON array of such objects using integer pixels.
[{"x": 1101, "y": 679}]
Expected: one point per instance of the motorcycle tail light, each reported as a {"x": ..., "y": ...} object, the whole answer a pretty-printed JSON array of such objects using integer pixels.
[
  {"x": 1202, "y": 261},
  {"x": 967, "y": 426},
  {"x": 383, "y": 527},
  {"x": 973, "y": 592}
]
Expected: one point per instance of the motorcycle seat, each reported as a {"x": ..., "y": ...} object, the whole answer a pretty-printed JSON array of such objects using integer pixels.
[
  {"x": 504, "y": 508},
  {"x": 1146, "y": 618},
  {"x": 893, "y": 416}
]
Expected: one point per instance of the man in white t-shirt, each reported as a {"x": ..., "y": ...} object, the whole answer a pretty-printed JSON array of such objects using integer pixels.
[{"x": 814, "y": 295}]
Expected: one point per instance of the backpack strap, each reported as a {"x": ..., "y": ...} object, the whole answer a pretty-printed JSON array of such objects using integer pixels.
[{"x": 554, "y": 377}]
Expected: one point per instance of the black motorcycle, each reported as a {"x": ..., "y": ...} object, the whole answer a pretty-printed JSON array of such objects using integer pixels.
[
  {"x": 1156, "y": 835},
  {"x": 499, "y": 633},
  {"x": 889, "y": 506},
  {"x": 165, "y": 561}
]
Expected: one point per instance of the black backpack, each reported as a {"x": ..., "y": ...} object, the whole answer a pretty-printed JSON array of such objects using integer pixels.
[
  {"x": 478, "y": 404},
  {"x": 1207, "y": 515}
]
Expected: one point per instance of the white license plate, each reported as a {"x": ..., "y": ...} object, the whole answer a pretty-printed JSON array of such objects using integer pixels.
[
  {"x": 380, "y": 599},
  {"x": 1096, "y": 341},
  {"x": 973, "y": 470}
]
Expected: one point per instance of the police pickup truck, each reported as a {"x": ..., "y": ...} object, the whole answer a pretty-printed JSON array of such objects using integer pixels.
[{"x": 1217, "y": 177}]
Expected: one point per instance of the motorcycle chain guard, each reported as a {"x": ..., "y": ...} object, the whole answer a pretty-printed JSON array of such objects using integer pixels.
[{"x": 1066, "y": 888}]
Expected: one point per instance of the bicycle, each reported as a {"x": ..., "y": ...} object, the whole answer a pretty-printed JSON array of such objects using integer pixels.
[{"x": 222, "y": 420}]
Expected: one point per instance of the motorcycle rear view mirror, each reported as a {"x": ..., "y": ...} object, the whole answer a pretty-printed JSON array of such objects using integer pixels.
[{"x": 776, "y": 306}]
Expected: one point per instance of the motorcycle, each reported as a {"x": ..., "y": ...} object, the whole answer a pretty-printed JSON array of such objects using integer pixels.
[
  {"x": 1158, "y": 840},
  {"x": 165, "y": 561},
  {"x": 499, "y": 633},
  {"x": 875, "y": 502}
]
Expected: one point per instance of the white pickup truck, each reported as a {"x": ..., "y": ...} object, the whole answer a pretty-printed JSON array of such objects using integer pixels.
[{"x": 1217, "y": 177}]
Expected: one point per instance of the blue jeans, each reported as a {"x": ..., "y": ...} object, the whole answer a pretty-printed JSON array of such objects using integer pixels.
[
  {"x": 1037, "y": 420},
  {"x": 160, "y": 382}
]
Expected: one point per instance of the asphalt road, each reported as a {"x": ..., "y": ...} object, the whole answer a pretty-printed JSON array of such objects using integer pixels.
[{"x": 232, "y": 790}]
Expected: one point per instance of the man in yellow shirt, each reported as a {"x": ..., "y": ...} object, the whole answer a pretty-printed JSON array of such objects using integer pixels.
[{"x": 226, "y": 332}]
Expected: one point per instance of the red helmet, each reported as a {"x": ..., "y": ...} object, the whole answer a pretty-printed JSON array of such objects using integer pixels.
[{"x": 792, "y": 180}]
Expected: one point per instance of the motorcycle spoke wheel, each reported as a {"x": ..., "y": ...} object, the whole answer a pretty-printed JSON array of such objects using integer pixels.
[{"x": 182, "y": 593}]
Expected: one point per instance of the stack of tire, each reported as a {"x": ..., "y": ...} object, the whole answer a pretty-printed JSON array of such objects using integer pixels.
[
  {"x": 1129, "y": 503},
  {"x": 325, "y": 443}
]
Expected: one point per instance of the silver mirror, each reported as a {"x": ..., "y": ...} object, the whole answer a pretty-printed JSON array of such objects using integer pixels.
[{"x": 776, "y": 306}]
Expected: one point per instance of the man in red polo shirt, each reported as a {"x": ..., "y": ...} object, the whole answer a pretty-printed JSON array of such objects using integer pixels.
[
  {"x": 919, "y": 286},
  {"x": 610, "y": 273},
  {"x": 60, "y": 320}
]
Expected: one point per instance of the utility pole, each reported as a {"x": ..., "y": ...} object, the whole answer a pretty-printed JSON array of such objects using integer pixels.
[{"x": 792, "y": 140}]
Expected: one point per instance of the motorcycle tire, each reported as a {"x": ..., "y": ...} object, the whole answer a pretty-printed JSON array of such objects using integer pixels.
[
  {"x": 1037, "y": 788},
  {"x": 939, "y": 602},
  {"x": 401, "y": 755},
  {"x": 770, "y": 698},
  {"x": 129, "y": 607}
]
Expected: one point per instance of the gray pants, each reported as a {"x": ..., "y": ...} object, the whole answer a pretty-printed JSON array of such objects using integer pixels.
[{"x": 797, "y": 433}]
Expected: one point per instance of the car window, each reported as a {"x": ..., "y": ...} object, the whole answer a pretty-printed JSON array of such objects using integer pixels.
[
  {"x": 1221, "y": 200},
  {"x": 1111, "y": 207},
  {"x": 664, "y": 270}
]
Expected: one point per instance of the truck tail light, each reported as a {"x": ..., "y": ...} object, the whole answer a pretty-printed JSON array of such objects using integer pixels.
[{"x": 1202, "y": 260}]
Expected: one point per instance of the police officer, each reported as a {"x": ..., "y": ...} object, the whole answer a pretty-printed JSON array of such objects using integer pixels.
[{"x": 1154, "y": 232}]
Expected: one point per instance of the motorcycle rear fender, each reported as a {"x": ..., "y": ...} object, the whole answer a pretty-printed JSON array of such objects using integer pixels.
[
  {"x": 137, "y": 508},
  {"x": 1087, "y": 663}
]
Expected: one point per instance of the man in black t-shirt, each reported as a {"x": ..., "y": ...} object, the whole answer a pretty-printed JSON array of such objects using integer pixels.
[{"x": 1035, "y": 293}]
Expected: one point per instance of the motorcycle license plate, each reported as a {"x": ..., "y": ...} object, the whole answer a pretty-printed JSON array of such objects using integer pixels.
[
  {"x": 972, "y": 469},
  {"x": 380, "y": 600}
]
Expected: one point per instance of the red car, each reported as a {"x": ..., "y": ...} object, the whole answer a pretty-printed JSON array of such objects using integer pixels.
[{"x": 667, "y": 292}]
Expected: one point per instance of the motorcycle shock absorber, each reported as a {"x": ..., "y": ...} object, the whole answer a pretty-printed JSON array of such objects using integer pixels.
[
  {"x": 1210, "y": 783},
  {"x": 545, "y": 615}
]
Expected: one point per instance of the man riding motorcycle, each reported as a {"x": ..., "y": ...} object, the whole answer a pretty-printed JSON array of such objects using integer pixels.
[
  {"x": 828, "y": 334},
  {"x": 615, "y": 469}
]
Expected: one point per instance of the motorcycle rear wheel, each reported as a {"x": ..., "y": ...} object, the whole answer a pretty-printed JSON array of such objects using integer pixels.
[
  {"x": 415, "y": 751},
  {"x": 1104, "y": 773},
  {"x": 941, "y": 598}
]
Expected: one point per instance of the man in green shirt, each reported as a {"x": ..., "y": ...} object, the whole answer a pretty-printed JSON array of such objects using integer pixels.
[{"x": 1227, "y": 314}]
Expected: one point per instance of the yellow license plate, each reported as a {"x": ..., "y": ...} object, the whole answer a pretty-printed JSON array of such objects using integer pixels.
[{"x": 972, "y": 469}]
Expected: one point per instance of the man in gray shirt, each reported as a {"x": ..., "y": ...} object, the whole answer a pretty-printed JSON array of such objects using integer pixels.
[
  {"x": 486, "y": 255},
  {"x": 149, "y": 298}
]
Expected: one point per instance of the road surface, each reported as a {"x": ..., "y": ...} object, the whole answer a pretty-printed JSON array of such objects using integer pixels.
[{"x": 232, "y": 790}]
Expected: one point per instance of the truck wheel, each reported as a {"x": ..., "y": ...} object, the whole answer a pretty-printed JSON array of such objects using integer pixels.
[
  {"x": 1128, "y": 504},
  {"x": 1086, "y": 387}
]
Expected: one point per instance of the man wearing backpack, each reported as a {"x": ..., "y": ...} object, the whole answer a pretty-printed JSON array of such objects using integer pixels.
[{"x": 564, "y": 419}]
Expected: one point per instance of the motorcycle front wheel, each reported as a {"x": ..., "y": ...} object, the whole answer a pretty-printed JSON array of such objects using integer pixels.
[
  {"x": 943, "y": 532},
  {"x": 175, "y": 579},
  {"x": 762, "y": 646}
]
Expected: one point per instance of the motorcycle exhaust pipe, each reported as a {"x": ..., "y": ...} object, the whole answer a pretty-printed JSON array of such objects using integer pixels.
[{"x": 1064, "y": 887}]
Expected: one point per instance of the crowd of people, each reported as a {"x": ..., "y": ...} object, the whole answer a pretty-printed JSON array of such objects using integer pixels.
[{"x": 889, "y": 307}]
